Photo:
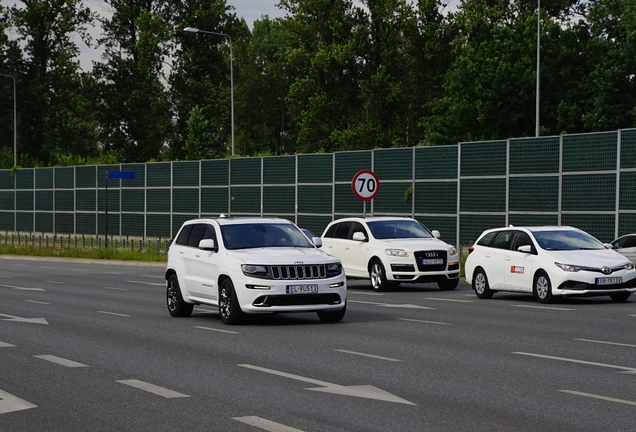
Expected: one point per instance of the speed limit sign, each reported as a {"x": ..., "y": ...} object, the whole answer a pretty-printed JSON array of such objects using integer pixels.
[{"x": 365, "y": 185}]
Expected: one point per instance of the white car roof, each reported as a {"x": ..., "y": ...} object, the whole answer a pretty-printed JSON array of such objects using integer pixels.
[{"x": 238, "y": 220}]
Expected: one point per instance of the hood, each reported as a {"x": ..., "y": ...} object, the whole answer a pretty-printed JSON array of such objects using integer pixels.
[
  {"x": 282, "y": 256},
  {"x": 589, "y": 258},
  {"x": 415, "y": 244}
]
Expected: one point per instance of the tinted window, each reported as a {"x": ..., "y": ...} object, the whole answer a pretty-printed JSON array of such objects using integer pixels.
[
  {"x": 631, "y": 242},
  {"x": 358, "y": 227},
  {"x": 258, "y": 235},
  {"x": 390, "y": 229},
  {"x": 567, "y": 240},
  {"x": 209, "y": 233},
  {"x": 196, "y": 235},
  {"x": 343, "y": 230},
  {"x": 521, "y": 239},
  {"x": 502, "y": 241},
  {"x": 331, "y": 232},
  {"x": 487, "y": 239},
  {"x": 183, "y": 235}
]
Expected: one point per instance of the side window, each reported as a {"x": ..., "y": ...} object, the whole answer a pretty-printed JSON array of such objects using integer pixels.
[
  {"x": 196, "y": 235},
  {"x": 342, "y": 232},
  {"x": 521, "y": 239},
  {"x": 358, "y": 227},
  {"x": 502, "y": 241},
  {"x": 631, "y": 242},
  {"x": 183, "y": 235},
  {"x": 331, "y": 232},
  {"x": 209, "y": 233},
  {"x": 487, "y": 239}
]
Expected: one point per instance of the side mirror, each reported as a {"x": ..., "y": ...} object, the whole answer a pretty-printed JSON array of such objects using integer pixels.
[
  {"x": 359, "y": 236},
  {"x": 609, "y": 246},
  {"x": 317, "y": 241},
  {"x": 525, "y": 249},
  {"x": 436, "y": 234},
  {"x": 208, "y": 244}
]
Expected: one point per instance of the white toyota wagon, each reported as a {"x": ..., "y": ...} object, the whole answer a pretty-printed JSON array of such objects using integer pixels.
[{"x": 252, "y": 265}]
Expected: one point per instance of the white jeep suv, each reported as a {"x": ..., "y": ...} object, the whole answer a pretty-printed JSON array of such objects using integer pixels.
[{"x": 252, "y": 265}]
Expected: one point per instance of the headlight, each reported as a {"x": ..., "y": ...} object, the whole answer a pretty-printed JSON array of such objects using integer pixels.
[
  {"x": 259, "y": 271},
  {"x": 568, "y": 267},
  {"x": 628, "y": 266},
  {"x": 452, "y": 251},
  {"x": 334, "y": 269},
  {"x": 396, "y": 252}
]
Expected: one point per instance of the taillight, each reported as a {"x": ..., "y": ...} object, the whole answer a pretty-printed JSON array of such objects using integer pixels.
[{"x": 470, "y": 249}]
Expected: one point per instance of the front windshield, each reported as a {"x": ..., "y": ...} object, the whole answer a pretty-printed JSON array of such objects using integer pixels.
[
  {"x": 259, "y": 235},
  {"x": 394, "y": 229},
  {"x": 566, "y": 240}
]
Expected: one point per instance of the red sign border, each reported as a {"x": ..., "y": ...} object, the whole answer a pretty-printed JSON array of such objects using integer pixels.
[{"x": 353, "y": 184}]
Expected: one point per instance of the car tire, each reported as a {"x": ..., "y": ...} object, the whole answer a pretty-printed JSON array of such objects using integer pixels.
[
  {"x": 174, "y": 300},
  {"x": 332, "y": 315},
  {"x": 229, "y": 308},
  {"x": 377, "y": 276},
  {"x": 620, "y": 297},
  {"x": 542, "y": 288},
  {"x": 448, "y": 284},
  {"x": 480, "y": 284}
]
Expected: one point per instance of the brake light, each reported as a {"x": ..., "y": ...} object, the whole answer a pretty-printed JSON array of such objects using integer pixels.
[{"x": 470, "y": 249}]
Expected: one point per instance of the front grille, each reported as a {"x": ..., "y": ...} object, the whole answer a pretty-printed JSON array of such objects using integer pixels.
[
  {"x": 420, "y": 256},
  {"x": 293, "y": 272}
]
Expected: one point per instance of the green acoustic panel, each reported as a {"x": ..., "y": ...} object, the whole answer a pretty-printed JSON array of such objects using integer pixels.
[
  {"x": 24, "y": 221},
  {"x": 315, "y": 168},
  {"x": 179, "y": 219},
  {"x": 24, "y": 200},
  {"x": 315, "y": 224},
  {"x": 64, "y": 223},
  {"x": 185, "y": 173},
  {"x": 626, "y": 223},
  {"x": 483, "y": 195},
  {"x": 485, "y": 158},
  {"x": 44, "y": 200},
  {"x": 627, "y": 198},
  {"x": 600, "y": 226},
  {"x": 628, "y": 148},
  {"x": 24, "y": 178},
  {"x": 349, "y": 163},
  {"x": 215, "y": 172},
  {"x": 589, "y": 192},
  {"x": 214, "y": 201},
  {"x": 185, "y": 200},
  {"x": 435, "y": 197},
  {"x": 446, "y": 225},
  {"x": 393, "y": 164},
  {"x": 113, "y": 200},
  {"x": 534, "y": 194},
  {"x": 7, "y": 220},
  {"x": 85, "y": 200},
  {"x": 132, "y": 224},
  {"x": 133, "y": 200},
  {"x": 158, "y": 174},
  {"x": 390, "y": 199},
  {"x": 140, "y": 175},
  {"x": 590, "y": 152},
  {"x": 44, "y": 222},
  {"x": 158, "y": 225},
  {"x": 315, "y": 199},
  {"x": 64, "y": 177},
  {"x": 471, "y": 226},
  {"x": 7, "y": 181},
  {"x": 533, "y": 219},
  {"x": 85, "y": 177},
  {"x": 534, "y": 155},
  {"x": 85, "y": 223},
  {"x": 158, "y": 200},
  {"x": 113, "y": 224},
  {"x": 279, "y": 199},
  {"x": 345, "y": 202},
  {"x": 102, "y": 176},
  {"x": 7, "y": 200},
  {"x": 438, "y": 162},
  {"x": 44, "y": 178},
  {"x": 245, "y": 171},
  {"x": 279, "y": 170},
  {"x": 64, "y": 200},
  {"x": 246, "y": 199}
]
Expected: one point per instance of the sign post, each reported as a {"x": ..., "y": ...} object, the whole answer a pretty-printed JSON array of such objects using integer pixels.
[
  {"x": 114, "y": 175},
  {"x": 365, "y": 186}
]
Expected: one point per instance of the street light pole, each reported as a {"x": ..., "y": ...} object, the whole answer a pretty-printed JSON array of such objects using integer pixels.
[
  {"x": 195, "y": 30},
  {"x": 536, "y": 132},
  {"x": 15, "y": 124}
]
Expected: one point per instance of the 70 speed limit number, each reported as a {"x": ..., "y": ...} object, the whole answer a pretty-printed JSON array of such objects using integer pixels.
[{"x": 365, "y": 185}]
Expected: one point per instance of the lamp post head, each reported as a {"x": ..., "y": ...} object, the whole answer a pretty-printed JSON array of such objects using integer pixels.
[{"x": 191, "y": 30}]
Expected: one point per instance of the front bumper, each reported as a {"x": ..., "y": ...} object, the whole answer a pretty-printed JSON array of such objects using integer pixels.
[
  {"x": 588, "y": 287},
  {"x": 401, "y": 272}
]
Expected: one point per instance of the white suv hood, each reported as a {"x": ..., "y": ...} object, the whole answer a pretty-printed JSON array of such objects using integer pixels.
[
  {"x": 414, "y": 244},
  {"x": 282, "y": 256}
]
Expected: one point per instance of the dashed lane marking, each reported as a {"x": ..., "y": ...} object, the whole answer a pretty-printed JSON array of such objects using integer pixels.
[
  {"x": 37, "y": 302},
  {"x": 264, "y": 424},
  {"x": 605, "y": 398},
  {"x": 151, "y": 388},
  {"x": 113, "y": 313},
  {"x": 61, "y": 361},
  {"x": 607, "y": 343},
  {"x": 424, "y": 321},
  {"x": 217, "y": 330},
  {"x": 368, "y": 355},
  {"x": 544, "y": 307}
]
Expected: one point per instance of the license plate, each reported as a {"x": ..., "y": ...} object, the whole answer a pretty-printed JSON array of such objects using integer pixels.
[
  {"x": 609, "y": 280},
  {"x": 432, "y": 261},
  {"x": 302, "y": 289}
]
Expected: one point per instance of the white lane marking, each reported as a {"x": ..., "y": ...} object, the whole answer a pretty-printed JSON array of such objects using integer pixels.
[
  {"x": 423, "y": 321},
  {"x": 362, "y": 391},
  {"x": 406, "y": 306},
  {"x": 22, "y": 288},
  {"x": 60, "y": 361},
  {"x": 368, "y": 355},
  {"x": 113, "y": 273},
  {"x": 54, "y": 268},
  {"x": 25, "y": 320},
  {"x": 151, "y": 388},
  {"x": 147, "y": 283},
  {"x": 37, "y": 302},
  {"x": 10, "y": 403},
  {"x": 204, "y": 310},
  {"x": 607, "y": 343},
  {"x": 364, "y": 292},
  {"x": 590, "y": 395},
  {"x": 628, "y": 369},
  {"x": 544, "y": 307},
  {"x": 6, "y": 277},
  {"x": 631, "y": 315},
  {"x": 117, "y": 289},
  {"x": 56, "y": 282},
  {"x": 216, "y": 330},
  {"x": 153, "y": 276},
  {"x": 448, "y": 300},
  {"x": 81, "y": 270},
  {"x": 20, "y": 265},
  {"x": 264, "y": 424},
  {"x": 5, "y": 345},
  {"x": 112, "y": 313}
]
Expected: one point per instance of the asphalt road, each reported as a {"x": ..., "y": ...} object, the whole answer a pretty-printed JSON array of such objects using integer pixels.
[{"x": 91, "y": 347}]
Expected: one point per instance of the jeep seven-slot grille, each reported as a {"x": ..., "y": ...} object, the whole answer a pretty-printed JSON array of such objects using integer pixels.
[{"x": 299, "y": 272}]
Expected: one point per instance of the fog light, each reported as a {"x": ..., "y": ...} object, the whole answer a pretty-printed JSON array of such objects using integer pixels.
[{"x": 258, "y": 287}]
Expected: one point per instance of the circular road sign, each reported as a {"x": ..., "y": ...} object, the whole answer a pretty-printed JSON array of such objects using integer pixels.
[{"x": 365, "y": 185}]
